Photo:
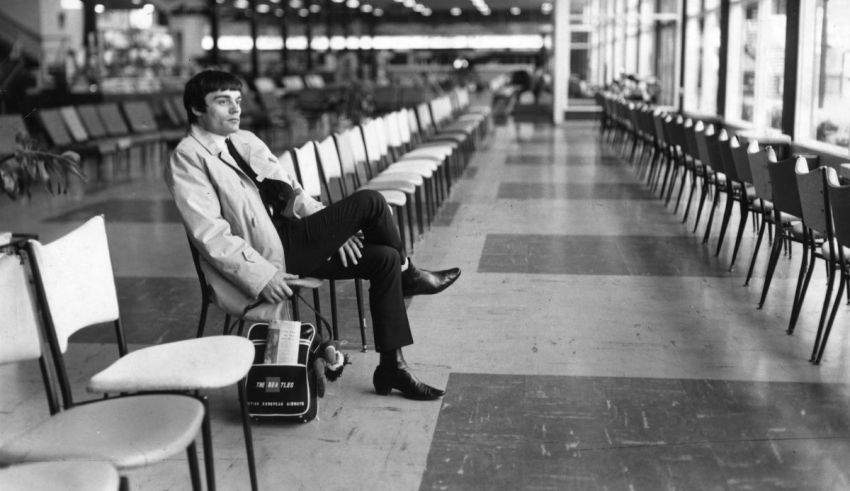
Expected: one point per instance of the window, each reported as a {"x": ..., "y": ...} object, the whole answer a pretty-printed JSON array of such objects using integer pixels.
[
  {"x": 756, "y": 67},
  {"x": 823, "y": 98},
  {"x": 702, "y": 57}
]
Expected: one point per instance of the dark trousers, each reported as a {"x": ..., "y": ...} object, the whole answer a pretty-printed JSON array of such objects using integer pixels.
[{"x": 311, "y": 246}]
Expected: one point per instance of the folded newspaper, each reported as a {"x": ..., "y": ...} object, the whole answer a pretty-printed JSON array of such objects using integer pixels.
[{"x": 282, "y": 343}]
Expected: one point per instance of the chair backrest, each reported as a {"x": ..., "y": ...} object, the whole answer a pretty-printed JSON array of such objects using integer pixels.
[
  {"x": 691, "y": 127},
  {"x": 352, "y": 157},
  {"x": 112, "y": 118},
  {"x": 91, "y": 120},
  {"x": 331, "y": 168},
  {"x": 811, "y": 188},
  {"x": 839, "y": 205},
  {"x": 77, "y": 283},
  {"x": 74, "y": 123},
  {"x": 740, "y": 160},
  {"x": 724, "y": 151},
  {"x": 54, "y": 126},
  {"x": 308, "y": 168},
  {"x": 712, "y": 145},
  {"x": 700, "y": 133},
  {"x": 286, "y": 160},
  {"x": 783, "y": 179},
  {"x": 757, "y": 159},
  {"x": 19, "y": 328},
  {"x": 140, "y": 115}
]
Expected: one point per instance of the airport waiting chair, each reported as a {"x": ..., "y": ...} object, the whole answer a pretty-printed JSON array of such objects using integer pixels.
[
  {"x": 838, "y": 196},
  {"x": 325, "y": 164},
  {"x": 817, "y": 238},
  {"x": 787, "y": 212},
  {"x": 77, "y": 290},
  {"x": 72, "y": 475},
  {"x": 375, "y": 154},
  {"x": 127, "y": 432},
  {"x": 236, "y": 323},
  {"x": 351, "y": 154}
]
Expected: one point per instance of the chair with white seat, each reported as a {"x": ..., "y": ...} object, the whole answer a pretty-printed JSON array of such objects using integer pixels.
[
  {"x": 388, "y": 140},
  {"x": 83, "y": 475},
  {"x": 313, "y": 180},
  {"x": 351, "y": 151},
  {"x": 838, "y": 196},
  {"x": 126, "y": 432},
  {"x": 375, "y": 153},
  {"x": 77, "y": 289}
]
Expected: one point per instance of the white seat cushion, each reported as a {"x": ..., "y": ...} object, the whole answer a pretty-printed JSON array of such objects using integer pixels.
[
  {"x": 130, "y": 432},
  {"x": 71, "y": 475},
  {"x": 194, "y": 364}
]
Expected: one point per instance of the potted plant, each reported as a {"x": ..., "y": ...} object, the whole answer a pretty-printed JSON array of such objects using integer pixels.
[{"x": 30, "y": 164}]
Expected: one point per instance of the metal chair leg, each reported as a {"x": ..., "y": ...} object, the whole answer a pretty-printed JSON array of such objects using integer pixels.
[{"x": 246, "y": 429}]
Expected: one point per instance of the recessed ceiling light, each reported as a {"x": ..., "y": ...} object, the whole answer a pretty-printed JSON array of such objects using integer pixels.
[
  {"x": 315, "y": 8},
  {"x": 263, "y": 8},
  {"x": 515, "y": 11},
  {"x": 455, "y": 11},
  {"x": 366, "y": 8},
  {"x": 378, "y": 12}
]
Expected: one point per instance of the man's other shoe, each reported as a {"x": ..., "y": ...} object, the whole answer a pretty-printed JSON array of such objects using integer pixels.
[
  {"x": 387, "y": 378},
  {"x": 423, "y": 282}
]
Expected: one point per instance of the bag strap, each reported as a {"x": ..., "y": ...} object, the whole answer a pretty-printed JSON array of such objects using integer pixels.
[{"x": 297, "y": 294}]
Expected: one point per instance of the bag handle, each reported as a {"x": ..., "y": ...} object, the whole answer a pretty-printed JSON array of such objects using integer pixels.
[{"x": 295, "y": 293}]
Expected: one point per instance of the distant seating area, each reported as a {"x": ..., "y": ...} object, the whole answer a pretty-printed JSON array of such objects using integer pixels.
[{"x": 117, "y": 138}]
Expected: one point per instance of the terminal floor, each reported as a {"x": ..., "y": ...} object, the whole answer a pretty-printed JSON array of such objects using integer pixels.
[{"x": 593, "y": 342}]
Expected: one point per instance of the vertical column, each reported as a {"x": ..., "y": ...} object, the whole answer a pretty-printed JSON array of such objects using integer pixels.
[
  {"x": 792, "y": 57},
  {"x": 284, "y": 49},
  {"x": 90, "y": 31},
  {"x": 308, "y": 31},
  {"x": 723, "y": 68},
  {"x": 212, "y": 13},
  {"x": 255, "y": 53},
  {"x": 683, "y": 25},
  {"x": 561, "y": 58}
]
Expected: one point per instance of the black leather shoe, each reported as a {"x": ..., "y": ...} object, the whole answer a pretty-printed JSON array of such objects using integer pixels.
[
  {"x": 388, "y": 378},
  {"x": 423, "y": 282}
]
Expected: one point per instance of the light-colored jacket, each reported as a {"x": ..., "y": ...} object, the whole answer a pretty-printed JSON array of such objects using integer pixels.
[{"x": 227, "y": 221}]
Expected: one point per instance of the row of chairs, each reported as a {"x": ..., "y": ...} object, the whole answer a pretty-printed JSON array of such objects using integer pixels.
[
  {"x": 414, "y": 172},
  {"x": 153, "y": 403},
  {"x": 107, "y": 131},
  {"x": 793, "y": 197}
]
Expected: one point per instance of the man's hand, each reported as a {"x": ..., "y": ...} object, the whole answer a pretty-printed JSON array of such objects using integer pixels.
[
  {"x": 350, "y": 251},
  {"x": 276, "y": 290}
]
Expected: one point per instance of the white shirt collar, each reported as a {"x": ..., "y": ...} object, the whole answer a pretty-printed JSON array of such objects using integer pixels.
[{"x": 219, "y": 140}]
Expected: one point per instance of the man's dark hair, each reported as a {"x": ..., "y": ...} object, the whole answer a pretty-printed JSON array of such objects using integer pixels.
[{"x": 202, "y": 84}]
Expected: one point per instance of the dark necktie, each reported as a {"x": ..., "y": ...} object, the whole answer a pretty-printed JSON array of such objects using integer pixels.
[
  {"x": 275, "y": 194},
  {"x": 241, "y": 162}
]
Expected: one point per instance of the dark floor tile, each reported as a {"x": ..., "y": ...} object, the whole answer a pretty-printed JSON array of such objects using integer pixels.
[
  {"x": 447, "y": 213},
  {"x": 594, "y": 433},
  {"x": 591, "y": 190},
  {"x": 530, "y": 159},
  {"x": 120, "y": 210},
  {"x": 622, "y": 255}
]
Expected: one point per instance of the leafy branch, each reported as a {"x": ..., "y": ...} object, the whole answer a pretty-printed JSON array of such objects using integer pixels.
[{"x": 30, "y": 165}]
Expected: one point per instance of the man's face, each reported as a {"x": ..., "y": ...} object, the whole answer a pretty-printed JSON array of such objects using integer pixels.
[{"x": 222, "y": 112}]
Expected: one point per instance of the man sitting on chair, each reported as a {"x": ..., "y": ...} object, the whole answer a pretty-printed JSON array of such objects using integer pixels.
[{"x": 256, "y": 230}]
